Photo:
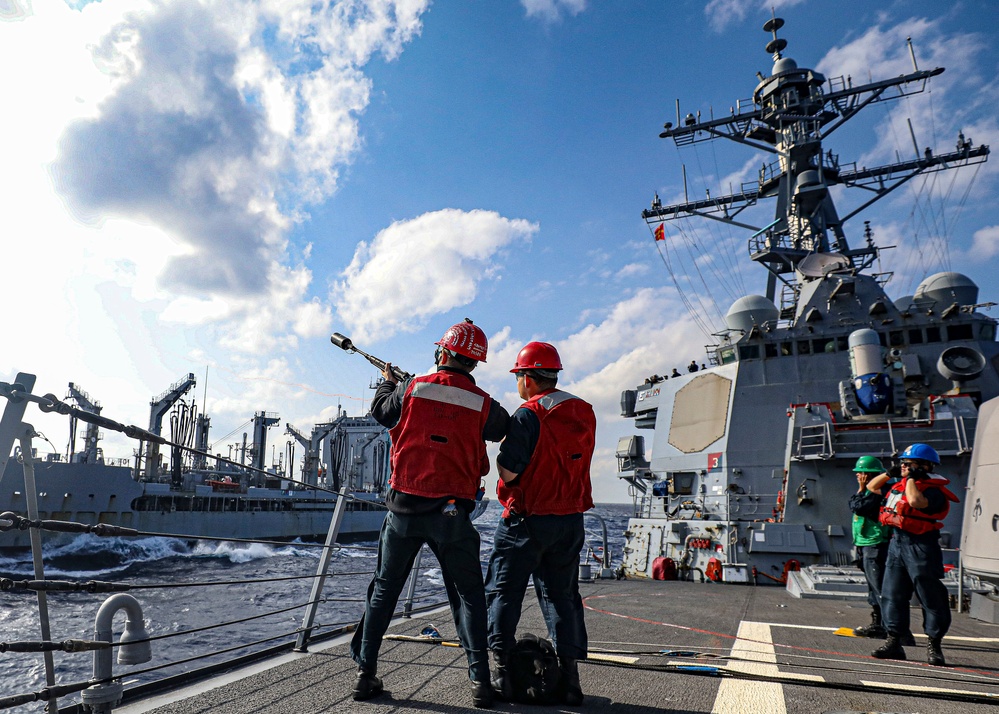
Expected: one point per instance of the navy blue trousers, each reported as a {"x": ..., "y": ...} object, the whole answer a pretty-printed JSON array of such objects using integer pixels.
[
  {"x": 455, "y": 542},
  {"x": 915, "y": 564},
  {"x": 547, "y": 548}
]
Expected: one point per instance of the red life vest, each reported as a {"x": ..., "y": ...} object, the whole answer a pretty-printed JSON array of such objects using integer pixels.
[
  {"x": 557, "y": 478},
  {"x": 897, "y": 512},
  {"x": 437, "y": 446}
]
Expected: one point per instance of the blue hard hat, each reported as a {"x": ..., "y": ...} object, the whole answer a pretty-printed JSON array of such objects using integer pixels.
[{"x": 924, "y": 452}]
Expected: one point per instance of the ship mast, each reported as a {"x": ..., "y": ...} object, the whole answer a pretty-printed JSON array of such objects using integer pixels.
[{"x": 790, "y": 116}]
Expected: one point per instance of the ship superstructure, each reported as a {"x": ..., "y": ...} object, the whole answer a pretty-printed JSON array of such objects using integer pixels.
[{"x": 751, "y": 469}]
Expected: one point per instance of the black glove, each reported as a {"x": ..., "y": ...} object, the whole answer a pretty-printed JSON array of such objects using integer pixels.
[{"x": 895, "y": 472}]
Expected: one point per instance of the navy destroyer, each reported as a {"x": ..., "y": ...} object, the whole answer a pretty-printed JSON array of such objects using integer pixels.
[
  {"x": 191, "y": 493},
  {"x": 751, "y": 467}
]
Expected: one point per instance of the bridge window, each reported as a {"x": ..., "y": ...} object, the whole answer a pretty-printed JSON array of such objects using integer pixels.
[
  {"x": 804, "y": 347},
  {"x": 823, "y": 344},
  {"x": 959, "y": 332},
  {"x": 896, "y": 338},
  {"x": 932, "y": 334},
  {"x": 988, "y": 332},
  {"x": 749, "y": 352},
  {"x": 915, "y": 337}
]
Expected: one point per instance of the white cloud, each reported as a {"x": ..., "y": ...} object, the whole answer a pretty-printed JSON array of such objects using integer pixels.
[
  {"x": 632, "y": 270},
  {"x": 985, "y": 243},
  {"x": 422, "y": 267},
  {"x": 722, "y": 13},
  {"x": 157, "y": 157},
  {"x": 551, "y": 10}
]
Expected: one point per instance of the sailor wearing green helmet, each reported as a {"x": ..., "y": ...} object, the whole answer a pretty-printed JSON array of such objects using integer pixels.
[{"x": 871, "y": 540}]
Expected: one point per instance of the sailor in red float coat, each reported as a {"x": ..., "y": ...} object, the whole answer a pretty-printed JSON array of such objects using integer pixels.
[
  {"x": 897, "y": 512},
  {"x": 437, "y": 446},
  {"x": 544, "y": 468},
  {"x": 439, "y": 424},
  {"x": 564, "y": 447}
]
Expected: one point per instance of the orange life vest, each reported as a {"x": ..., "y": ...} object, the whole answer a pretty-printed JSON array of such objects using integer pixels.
[{"x": 897, "y": 512}]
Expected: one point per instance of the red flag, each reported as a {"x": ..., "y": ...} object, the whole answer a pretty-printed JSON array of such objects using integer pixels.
[{"x": 661, "y": 231}]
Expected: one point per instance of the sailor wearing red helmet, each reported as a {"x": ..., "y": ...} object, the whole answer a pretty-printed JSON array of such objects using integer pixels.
[
  {"x": 439, "y": 424},
  {"x": 544, "y": 468},
  {"x": 915, "y": 508}
]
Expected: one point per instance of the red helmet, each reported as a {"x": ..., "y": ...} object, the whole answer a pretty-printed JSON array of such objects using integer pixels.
[
  {"x": 465, "y": 339},
  {"x": 538, "y": 355}
]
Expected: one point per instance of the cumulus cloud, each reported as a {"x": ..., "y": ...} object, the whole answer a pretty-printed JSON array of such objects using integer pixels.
[
  {"x": 157, "y": 153},
  {"x": 551, "y": 10},
  {"x": 985, "y": 243},
  {"x": 632, "y": 270},
  {"x": 422, "y": 267},
  {"x": 722, "y": 13},
  {"x": 219, "y": 123}
]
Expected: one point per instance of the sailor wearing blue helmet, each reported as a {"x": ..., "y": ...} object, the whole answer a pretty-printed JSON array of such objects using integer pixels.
[{"x": 915, "y": 508}]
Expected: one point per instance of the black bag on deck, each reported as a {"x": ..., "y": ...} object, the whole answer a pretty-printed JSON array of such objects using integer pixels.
[{"x": 534, "y": 671}]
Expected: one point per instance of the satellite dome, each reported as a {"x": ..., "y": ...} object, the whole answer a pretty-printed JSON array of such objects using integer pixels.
[
  {"x": 905, "y": 303},
  {"x": 947, "y": 288},
  {"x": 784, "y": 64},
  {"x": 749, "y": 311}
]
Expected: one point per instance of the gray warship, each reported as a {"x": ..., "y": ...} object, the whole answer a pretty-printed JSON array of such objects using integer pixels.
[
  {"x": 193, "y": 494},
  {"x": 751, "y": 466}
]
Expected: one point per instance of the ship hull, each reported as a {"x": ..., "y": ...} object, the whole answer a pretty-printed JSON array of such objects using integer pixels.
[{"x": 101, "y": 493}]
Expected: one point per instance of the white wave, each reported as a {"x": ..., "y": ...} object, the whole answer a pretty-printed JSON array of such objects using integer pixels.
[
  {"x": 244, "y": 552},
  {"x": 91, "y": 556}
]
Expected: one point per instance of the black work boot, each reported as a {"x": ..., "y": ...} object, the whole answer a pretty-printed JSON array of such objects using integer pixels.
[
  {"x": 934, "y": 655},
  {"x": 570, "y": 682},
  {"x": 502, "y": 684},
  {"x": 482, "y": 694},
  {"x": 891, "y": 649},
  {"x": 366, "y": 686},
  {"x": 875, "y": 630}
]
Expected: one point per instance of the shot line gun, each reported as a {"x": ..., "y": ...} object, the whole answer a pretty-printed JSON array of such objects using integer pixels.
[{"x": 347, "y": 345}]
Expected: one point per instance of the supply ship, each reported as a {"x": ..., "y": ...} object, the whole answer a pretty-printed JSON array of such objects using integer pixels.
[
  {"x": 751, "y": 465},
  {"x": 196, "y": 494}
]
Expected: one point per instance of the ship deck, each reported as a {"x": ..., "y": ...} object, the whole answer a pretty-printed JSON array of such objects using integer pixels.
[{"x": 761, "y": 649}]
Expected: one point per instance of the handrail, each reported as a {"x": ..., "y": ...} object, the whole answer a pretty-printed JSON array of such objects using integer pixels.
[
  {"x": 31, "y": 500},
  {"x": 606, "y": 562},
  {"x": 302, "y": 645}
]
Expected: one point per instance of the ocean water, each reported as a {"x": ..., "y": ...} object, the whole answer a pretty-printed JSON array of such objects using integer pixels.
[{"x": 168, "y": 578}]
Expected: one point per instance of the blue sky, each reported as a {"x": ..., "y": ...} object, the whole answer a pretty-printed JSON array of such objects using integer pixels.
[{"x": 218, "y": 185}]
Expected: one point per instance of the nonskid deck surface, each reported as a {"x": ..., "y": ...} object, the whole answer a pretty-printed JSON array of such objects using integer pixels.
[{"x": 758, "y": 631}]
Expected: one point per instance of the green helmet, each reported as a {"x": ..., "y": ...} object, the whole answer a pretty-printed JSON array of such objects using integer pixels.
[{"x": 869, "y": 464}]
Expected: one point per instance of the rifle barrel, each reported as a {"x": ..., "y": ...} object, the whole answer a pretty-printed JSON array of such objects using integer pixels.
[{"x": 347, "y": 345}]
